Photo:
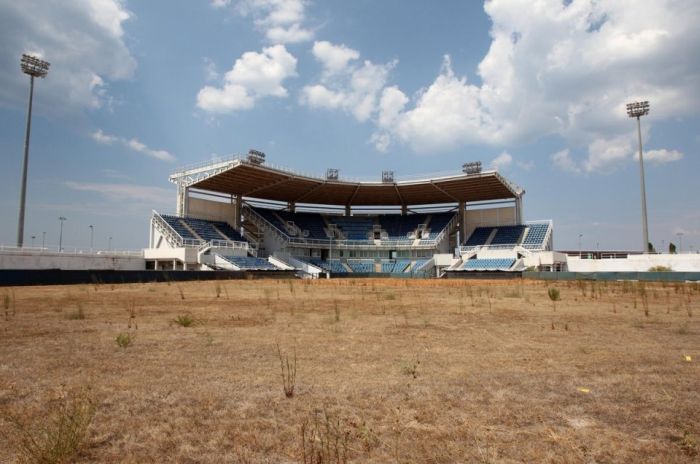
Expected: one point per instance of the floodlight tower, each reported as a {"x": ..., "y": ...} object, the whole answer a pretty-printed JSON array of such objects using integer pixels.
[
  {"x": 637, "y": 110},
  {"x": 34, "y": 67}
]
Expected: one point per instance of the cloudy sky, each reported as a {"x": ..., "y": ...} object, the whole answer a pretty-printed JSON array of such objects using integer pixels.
[{"x": 534, "y": 88}]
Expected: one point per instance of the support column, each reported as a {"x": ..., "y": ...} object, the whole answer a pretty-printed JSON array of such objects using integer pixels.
[
  {"x": 348, "y": 210},
  {"x": 174, "y": 265},
  {"x": 404, "y": 210},
  {"x": 237, "y": 200},
  {"x": 462, "y": 220},
  {"x": 292, "y": 207},
  {"x": 519, "y": 210},
  {"x": 183, "y": 193}
]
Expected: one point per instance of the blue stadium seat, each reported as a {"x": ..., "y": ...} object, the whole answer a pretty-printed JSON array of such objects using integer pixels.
[
  {"x": 488, "y": 264},
  {"x": 507, "y": 235},
  {"x": 479, "y": 236},
  {"x": 536, "y": 235},
  {"x": 250, "y": 263}
]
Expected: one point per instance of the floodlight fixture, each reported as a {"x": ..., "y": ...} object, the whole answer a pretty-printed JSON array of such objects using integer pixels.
[
  {"x": 473, "y": 167},
  {"x": 256, "y": 157},
  {"x": 332, "y": 174},
  {"x": 34, "y": 67},
  {"x": 637, "y": 110},
  {"x": 387, "y": 177}
]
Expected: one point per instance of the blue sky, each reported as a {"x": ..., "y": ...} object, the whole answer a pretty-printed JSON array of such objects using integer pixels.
[{"x": 534, "y": 88}]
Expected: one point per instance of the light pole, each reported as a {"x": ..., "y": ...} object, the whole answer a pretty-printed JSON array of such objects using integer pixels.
[
  {"x": 60, "y": 235},
  {"x": 580, "y": 236},
  {"x": 680, "y": 242},
  {"x": 43, "y": 239},
  {"x": 33, "y": 237},
  {"x": 34, "y": 67},
  {"x": 110, "y": 244},
  {"x": 637, "y": 110},
  {"x": 92, "y": 236}
]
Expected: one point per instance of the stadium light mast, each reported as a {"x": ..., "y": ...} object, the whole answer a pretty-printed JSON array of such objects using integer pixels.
[
  {"x": 34, "y": 67},
  {"x": 60, "y": 234},
  {"x": 637, "y": 110}
]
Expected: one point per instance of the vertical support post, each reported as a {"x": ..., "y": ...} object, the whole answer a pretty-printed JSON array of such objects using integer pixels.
[
  {"x": 182, "y": 199},
  {"x": 25, "y": 165},
  {"x": 348, "y": 210},
  {"x": 404, "y": 210},
  {"x": 462, "y": 219},
  {"x": 292, "y": 207},
  {"x": 237, "y": 210},
  {"x": 645, "y": 229},
  {"x": 519, "y": 210}
]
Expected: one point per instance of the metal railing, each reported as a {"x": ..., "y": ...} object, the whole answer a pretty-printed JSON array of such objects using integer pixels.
[{"x": 54, "y": 249}]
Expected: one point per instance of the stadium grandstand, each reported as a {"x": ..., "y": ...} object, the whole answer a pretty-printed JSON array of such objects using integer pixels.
[{"x": 244, "y": 214}]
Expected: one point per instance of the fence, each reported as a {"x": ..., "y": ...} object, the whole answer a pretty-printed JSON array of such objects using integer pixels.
[{"x": 19, "y": 277}]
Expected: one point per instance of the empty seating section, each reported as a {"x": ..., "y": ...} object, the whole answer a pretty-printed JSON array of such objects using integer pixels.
[
  {"x": 179, "y": 227},
  {"x": 395, "y": 226},
  {"x": 250, "y": 263},
  {"x": 353, "y": 227},
  {"x": 271, "y": 217},
  {"x": 311, "y": 222},
  {"x": 332, "y": 265},
  {"x": 229, "y": 232},
  {"x": 438, "y": 222},
  {"x": 507, "y": 235},
  {"x": 203, "y": 229},
  {"x": 479, "y": 236},
  {"x": 400, "y": 266},
  {"x": 490, "y": 264},
  {"x": 364, "y": 266},
  {"x": 536, "y": 235},
  {"x": 399, "y": 227}
]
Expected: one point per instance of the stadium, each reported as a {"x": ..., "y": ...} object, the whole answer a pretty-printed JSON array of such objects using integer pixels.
[{"x": 242, "y": 214}]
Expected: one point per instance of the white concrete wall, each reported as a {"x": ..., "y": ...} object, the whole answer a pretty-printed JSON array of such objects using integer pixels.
[
  {"x": 636, "y": 263},
  {"x": 213, "y": 210},
  {"x": 502, "y": 216},
  {"x": 187, "y": 255},
  {"x": 69, "y": 261}
]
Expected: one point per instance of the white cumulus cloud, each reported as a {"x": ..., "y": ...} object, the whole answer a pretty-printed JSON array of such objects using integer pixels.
[
  {"x": 661, "y": 156},
  {"x": 253, "y": 76},
  {"x": 132, "y": 144},
  {"x": 554, "y": 68},
  {"x": 282, "y": 21},
  {"x": 83, "y": 40},
  {"x": 346, "y": 84},
  {"x": 502, "y": 161}
]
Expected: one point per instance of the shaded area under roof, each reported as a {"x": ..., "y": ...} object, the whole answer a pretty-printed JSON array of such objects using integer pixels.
[{"x": 240, "y": 177}]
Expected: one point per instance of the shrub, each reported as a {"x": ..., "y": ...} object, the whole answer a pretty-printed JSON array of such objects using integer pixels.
[
  {"x": 124, "y": 340},
  {"x": 59, "y": 434},
  {"x": 184, "y": 320},
  {"x": 660, "y": 269},
  {"x": 289, "y": 372},
  {"x": 324, "y": 439},
  {"x": 78, "y": 314},
  {"x": 554, "y": 295}
]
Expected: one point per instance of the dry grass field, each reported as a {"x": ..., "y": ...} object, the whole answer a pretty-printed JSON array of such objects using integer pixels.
[{"x": 387, "y": 371}]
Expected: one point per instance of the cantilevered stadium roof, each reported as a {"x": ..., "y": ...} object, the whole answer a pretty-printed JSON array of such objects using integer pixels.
[{"x": 241, "y": 177}]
